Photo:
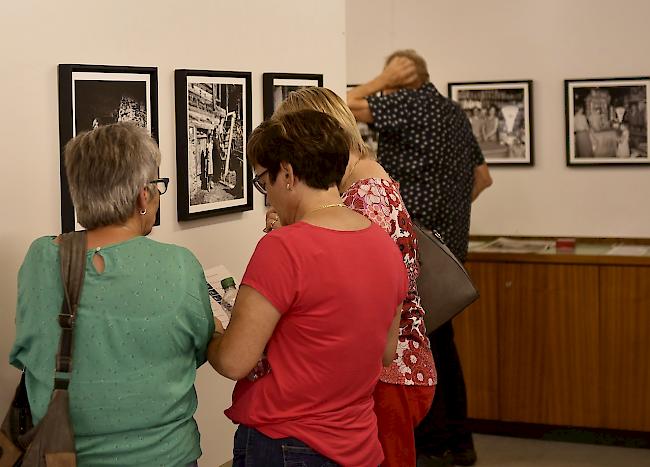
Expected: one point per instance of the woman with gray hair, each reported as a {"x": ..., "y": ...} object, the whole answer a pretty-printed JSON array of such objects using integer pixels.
[{"x": 144, "y": 318}]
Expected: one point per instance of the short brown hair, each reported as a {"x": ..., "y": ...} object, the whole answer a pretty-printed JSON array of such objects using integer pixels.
[
  {"x": 106, "y": 168},
  {"x": 315, "y": 145},
  {"x": 420, "y": 63}
]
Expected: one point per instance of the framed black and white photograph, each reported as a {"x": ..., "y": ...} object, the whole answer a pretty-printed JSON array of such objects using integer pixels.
[
  {"x": 501, "y": 115},
  {"x": 277, "y": 86},
  {"x": 607, "y": 121},
  {"x": 94, "y": 95},
  {"x": 213, "y": 122},
  {"x": 368, "y": 132}
]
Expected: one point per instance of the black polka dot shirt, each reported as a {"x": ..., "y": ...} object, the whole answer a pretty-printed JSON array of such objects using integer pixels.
[{"x": 427, "y": 145}]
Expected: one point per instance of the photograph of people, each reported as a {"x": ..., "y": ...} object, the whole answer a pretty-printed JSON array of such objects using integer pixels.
[
  {"x": 607, "y": 123},
  {"x": 500, "y": 116}
]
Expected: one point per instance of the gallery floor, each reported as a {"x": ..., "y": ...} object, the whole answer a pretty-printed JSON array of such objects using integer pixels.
[{"x": 500, "y": 451}]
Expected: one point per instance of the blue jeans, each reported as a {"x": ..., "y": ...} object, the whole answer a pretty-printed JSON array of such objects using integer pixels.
[{"x": 253, "y": 449}]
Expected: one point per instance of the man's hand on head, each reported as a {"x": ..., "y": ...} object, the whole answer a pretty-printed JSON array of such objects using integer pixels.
[{"x": 400, "y": 73}]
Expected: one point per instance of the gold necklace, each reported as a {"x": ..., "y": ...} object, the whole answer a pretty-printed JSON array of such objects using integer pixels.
[{"x": 325, "y": 206}]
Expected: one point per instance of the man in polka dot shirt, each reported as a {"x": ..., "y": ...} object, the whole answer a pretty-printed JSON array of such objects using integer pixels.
[{"x": 426, "y": 144}]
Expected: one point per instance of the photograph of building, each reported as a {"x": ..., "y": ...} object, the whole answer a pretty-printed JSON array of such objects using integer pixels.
[
  {"x": 216, "y": 142},
  {"x": 100, "y": 102}
]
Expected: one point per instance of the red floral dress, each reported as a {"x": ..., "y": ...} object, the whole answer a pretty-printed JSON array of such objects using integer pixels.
[{"x": 379, "y": 200}]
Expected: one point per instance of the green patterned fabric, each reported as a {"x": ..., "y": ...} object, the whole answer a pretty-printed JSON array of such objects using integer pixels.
[{"x": 142, "y": 330}]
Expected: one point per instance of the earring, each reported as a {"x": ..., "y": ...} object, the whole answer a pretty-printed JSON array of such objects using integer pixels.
[
  {"x": 288, "y": 186},
  {"x": 143, "y": 212}
]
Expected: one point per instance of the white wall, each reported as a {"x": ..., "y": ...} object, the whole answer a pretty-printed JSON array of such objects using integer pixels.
[
  {"x": 546, "y": 41},
  {"x": 252, "y": 35}
]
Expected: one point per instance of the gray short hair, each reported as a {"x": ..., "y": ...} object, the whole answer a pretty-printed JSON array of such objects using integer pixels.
[{"x": 106, "y": 169}]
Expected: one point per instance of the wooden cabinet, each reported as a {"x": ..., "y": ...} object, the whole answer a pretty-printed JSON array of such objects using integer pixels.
[
  {"x": 548, "y": 344},
  {"x": 625, "y": 347},
  {"x": 557, "y": 341},
  {"x": 478, "y": 325}
]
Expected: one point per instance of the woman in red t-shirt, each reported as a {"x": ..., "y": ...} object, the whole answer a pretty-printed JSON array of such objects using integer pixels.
[
  {"x": 319, "y": 297},
  {"x": 406, "y": 388}
]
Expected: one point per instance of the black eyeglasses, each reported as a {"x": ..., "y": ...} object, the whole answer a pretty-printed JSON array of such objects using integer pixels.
[
  {"x": 161, "y": 184},
  {"x": 257, "y": 183}
]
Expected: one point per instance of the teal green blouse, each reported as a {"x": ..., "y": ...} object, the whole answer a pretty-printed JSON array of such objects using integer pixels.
[{"x": 142, "y": 329}]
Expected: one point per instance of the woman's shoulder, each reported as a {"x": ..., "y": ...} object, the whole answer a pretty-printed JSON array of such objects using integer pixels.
[
  {"x": 44, "y": 241},
  {"x": 284, "y": 236},
  {"x": 168, "y": 247},
  {"x": 300, "y": 233},
  {"x": 372, "y": 180},
  {"x": 375, "y": 190},
  {"x": 172, "y": 252},
  {"x": 42, "y": 251},
  {"x": 40, "y": 245}
]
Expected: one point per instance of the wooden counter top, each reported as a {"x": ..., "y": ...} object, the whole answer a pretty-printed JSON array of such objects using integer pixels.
[
  {"x": 584, "y": 253},
  {"x": 552, "y": 257}
]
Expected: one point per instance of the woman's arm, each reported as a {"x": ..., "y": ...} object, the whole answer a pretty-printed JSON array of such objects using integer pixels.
[
  {"x": 391, "y": 341},
  {"x": 236, "y": 352}
]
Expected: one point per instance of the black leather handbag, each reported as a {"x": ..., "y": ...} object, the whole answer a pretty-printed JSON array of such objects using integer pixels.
[{"x": 444, "y": 286}]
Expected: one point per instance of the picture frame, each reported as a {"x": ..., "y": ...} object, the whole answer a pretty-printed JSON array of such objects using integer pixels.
[
  {"x": 213, "y": 123},
  {"x": 501, "y": 115},
  {"x": 276, "y": 87},
  {"x": 369, "y": 135},
  {"x": 606, "y": 121},
  {"x": 96, "y": 95}
]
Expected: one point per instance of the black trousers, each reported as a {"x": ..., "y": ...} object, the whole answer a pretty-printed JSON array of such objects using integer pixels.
[{"x": 445, "y": 426}]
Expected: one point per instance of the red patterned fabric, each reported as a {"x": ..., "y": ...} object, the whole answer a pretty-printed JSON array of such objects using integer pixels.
[{"x": 380, "y": 201}]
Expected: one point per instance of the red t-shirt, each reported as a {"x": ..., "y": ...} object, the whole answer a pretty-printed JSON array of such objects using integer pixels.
[{"x": 338, "y": 292}]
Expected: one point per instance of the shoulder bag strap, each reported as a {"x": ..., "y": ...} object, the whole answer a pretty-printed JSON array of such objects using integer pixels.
[{"x": 72, "y": 253}]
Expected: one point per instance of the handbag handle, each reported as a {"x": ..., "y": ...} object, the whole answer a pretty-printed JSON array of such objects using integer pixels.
[{"x": 72, "y": 254}]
